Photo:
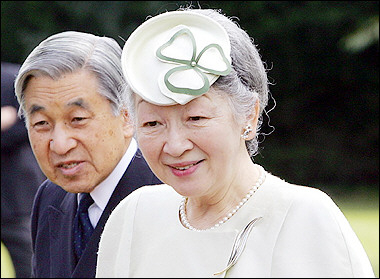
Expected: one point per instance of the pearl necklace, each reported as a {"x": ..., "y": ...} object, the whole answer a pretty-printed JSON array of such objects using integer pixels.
[{"x": 182, "y": 207}]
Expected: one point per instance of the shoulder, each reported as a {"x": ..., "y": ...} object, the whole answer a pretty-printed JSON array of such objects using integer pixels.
[
  {"x": 302, "y": 206},
  {"x": 151, "y": 194},
  {"x": 297, "y": 195},
  {"x": 304, "y": 209},
  {"x": 140, "y": 205},
  {"x": 156, "y": 190},
  {"x": 49, "y": 193},
  {"x": 143, "y": 204},
  {"x": 313, "y": 232}
]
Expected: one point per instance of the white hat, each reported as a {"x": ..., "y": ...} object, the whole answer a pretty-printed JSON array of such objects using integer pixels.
[{"x": 175, "y": 57}]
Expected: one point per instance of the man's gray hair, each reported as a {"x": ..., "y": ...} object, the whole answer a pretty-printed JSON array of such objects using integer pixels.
[{"x": 69, "y": 51}]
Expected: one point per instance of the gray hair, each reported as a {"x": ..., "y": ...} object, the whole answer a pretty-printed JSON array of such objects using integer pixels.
[
  {"x": 69, "y": 51},
  {"x": 246, "y": 84}
]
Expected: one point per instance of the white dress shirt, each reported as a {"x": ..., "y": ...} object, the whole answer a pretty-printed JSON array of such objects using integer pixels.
[{"x": 102, "y": 193}]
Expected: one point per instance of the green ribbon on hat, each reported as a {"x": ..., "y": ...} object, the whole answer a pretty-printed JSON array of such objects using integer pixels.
[{"x": 191, "y": 64}]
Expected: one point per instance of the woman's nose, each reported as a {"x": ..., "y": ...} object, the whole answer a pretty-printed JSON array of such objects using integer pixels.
[{"x": 177, "y": 142}]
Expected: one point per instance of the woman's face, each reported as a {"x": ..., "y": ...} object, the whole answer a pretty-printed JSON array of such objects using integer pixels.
[{"x": 196, "y": 148}]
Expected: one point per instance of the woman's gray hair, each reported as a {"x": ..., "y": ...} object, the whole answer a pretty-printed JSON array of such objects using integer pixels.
[
  {"x": 70, "y": 51},
  {"x": 246, "y": 83}
]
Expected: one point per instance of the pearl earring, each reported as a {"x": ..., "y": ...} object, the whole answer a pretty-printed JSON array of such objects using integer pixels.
[{"x": 248, "y": 129}]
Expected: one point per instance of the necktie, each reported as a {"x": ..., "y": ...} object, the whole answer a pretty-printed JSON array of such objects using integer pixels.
[{"x": 82, "y": 225}]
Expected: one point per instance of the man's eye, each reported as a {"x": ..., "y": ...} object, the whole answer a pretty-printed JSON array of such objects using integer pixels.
[
  {"x": 78, "y": 119},
  {"x": 40, "y": 123}
]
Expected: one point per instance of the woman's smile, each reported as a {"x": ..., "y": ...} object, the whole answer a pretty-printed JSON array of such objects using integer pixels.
[{"x": 184, "y": 169}]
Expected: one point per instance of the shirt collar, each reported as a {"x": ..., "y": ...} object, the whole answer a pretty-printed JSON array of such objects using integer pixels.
[{"x": 102, "y": 193}]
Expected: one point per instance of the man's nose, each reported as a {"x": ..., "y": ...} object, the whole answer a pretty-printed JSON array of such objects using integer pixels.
[{"x": 62, "y": 140}]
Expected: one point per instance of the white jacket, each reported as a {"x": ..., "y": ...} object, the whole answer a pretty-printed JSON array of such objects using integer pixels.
[{"x": 302, "y": 233}]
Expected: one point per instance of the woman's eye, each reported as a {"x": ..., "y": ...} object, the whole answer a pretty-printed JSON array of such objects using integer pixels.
[
  {"x": 195, "y": 118},
  {"x": 150, "y": 124}
]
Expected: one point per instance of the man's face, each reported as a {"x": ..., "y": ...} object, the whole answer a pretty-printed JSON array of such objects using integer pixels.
[{"x": 75, "y": 137}]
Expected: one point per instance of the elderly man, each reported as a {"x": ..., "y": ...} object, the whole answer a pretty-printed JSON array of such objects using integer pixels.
[{"x": 70, "y": 90}]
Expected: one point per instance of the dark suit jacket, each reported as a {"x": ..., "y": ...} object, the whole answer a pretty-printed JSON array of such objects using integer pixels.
[{"x": 52, "y": 220}]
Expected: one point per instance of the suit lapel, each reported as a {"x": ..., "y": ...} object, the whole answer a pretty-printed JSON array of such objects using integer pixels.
[
  {"x": 137, "y": 174},
  {"x": 60, "y": 224}
]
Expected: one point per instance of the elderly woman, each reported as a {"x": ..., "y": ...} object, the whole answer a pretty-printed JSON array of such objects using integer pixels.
[{"x": 198, "y": 89}]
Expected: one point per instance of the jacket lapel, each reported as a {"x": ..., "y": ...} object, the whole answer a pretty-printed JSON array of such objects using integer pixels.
[
  {"x": 60, "y": 224},
  {"x": 137, "y": 174}
]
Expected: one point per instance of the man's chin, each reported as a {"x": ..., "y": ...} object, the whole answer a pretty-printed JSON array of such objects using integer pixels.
[{"x": 75, "y": 187}]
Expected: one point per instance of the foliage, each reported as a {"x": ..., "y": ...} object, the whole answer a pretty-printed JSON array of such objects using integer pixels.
[
  {"x": 7, "y": 268},
  {"x": 363, "y": 217},
  {"x": 326, "y": 117}
]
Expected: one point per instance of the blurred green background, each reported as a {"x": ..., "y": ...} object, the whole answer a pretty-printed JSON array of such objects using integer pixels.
[{"x": 322, "y": 58}]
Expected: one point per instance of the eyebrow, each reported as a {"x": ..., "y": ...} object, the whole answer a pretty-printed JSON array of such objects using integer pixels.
[
  {"x": 35, "y": 108},
  {"x": 75, "y": 103},
  {"x": 79, "y": 103}
]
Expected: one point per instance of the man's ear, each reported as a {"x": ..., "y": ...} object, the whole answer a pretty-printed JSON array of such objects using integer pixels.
[
  {"x": 127, "y": 124},
  {"x": 249, "y": 130}
]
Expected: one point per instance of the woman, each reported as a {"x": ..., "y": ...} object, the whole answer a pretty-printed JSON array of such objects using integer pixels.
[{"x": 198, "y": 91}]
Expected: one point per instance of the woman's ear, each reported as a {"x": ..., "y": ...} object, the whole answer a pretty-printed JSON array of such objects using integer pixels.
[{"x": 249, "y": 131}]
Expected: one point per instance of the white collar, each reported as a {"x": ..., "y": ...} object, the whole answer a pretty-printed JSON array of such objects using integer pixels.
[{"x": 102, "y": 193}]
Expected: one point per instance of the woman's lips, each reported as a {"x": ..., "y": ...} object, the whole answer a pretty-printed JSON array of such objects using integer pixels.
[{"x": 186, "y": 168}]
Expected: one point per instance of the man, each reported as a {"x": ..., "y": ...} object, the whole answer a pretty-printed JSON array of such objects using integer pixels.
[
  {"x": 70, "y": 90},
  {"x": 20, "y": 177}
]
